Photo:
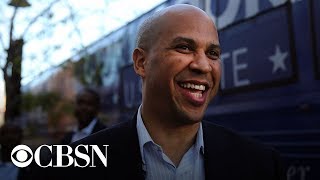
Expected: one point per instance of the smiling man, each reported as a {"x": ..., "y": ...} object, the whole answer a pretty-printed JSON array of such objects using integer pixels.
[
  {"x": 178, "y": 59},
  {"x": 177, "y": 56}
]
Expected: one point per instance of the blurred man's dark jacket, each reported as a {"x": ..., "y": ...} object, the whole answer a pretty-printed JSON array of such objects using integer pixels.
[{"x": 97, "y": 127}]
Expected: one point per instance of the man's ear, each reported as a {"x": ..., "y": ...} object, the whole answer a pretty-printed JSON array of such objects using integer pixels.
[{"x": 139, "y": 59}]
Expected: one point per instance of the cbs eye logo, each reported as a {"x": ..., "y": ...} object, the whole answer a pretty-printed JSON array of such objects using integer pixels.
[{"x": 21, "y": 156}]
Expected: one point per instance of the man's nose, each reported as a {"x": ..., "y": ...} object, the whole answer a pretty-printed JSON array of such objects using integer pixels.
[{"x": 201, "y": 63}]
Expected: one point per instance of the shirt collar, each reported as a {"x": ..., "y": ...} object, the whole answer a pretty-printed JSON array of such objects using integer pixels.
[
  {"x": 89, "y": 128},
  {"x": 144, "y": 137},
  {"x": 199, "y": 144}
]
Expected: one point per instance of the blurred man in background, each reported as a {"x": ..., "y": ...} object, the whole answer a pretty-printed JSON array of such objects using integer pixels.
[{"x": 87, "y": 107}]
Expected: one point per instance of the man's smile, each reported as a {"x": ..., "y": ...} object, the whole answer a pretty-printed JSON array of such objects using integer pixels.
[{"x": 194, "y": 91}]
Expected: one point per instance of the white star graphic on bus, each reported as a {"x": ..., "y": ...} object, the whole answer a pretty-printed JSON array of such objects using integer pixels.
[{"x": 278, "y": 59}]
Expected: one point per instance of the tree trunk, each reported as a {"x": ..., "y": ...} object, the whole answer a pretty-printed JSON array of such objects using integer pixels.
[{"x": 12, "y": 77}]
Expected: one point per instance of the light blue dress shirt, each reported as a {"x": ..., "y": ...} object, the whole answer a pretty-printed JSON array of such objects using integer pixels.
[
  {"x": 83, "y": 132},
  {"x": 157, "y": 165}
]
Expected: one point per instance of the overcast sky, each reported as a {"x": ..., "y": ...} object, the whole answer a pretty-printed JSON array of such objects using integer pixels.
[{"x": 98, "y": 18}]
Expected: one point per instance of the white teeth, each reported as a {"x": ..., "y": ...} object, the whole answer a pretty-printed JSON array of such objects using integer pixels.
[
  {"x": 194, "y": 86},
  {"x": 197, "y": 95}
]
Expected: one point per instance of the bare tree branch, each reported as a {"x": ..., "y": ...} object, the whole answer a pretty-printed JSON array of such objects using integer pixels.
[
  {"x": 12, "y": 23},
  {"x": 43, "y": 12},
  {"x": 83, "y": 47},
  {"x": 39, "y": 74},
  {"x": 4, "y": 49},
  {"x": 74, "y": 23},
  {"x": 2, "y": 43},
  {"x": 4, "y": 69},
  {"x": 46, "y": 30}
]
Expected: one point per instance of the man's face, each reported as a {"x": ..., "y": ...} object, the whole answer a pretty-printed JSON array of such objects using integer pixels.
[
  {"x": 86, "y": 108},
  {"x": 182, "y": 68}
]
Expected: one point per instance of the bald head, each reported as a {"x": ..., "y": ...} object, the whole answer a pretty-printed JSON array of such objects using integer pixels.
[{"x": 150, "y": 30}]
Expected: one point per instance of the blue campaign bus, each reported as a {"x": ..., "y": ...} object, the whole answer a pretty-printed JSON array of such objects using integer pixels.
[
  {"x": 270, "y": 87},
  {"x": 270, "y": 84}
]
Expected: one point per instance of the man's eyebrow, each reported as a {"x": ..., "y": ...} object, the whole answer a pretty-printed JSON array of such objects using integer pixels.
[
  {"x": 192, "y": 42},
  {"x": 183, "y": 39},
  {"x": 215, "y": 46}
]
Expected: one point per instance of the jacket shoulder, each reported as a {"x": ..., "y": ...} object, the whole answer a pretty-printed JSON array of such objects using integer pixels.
[
  {"x": 232, "y": 138},
  {"x": 244, "y": 155}
]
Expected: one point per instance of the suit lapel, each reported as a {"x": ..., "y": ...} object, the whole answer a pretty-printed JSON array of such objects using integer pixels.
[
  {"x": 215, "y": 157},
  {"x": 136, "y": 159},
  {"x": 128, "y": 151},
  {"x": 98, "y": 126}
]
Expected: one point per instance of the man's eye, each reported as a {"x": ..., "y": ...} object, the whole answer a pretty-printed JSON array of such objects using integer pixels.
[
  {"x": 213, "y": 55},
  {"x": 183, "y": 48}
]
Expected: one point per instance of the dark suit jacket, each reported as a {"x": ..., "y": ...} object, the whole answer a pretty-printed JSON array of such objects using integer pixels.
[
  {"x": 97, "y": 127},
  {"x": 227, "y": 156}
]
